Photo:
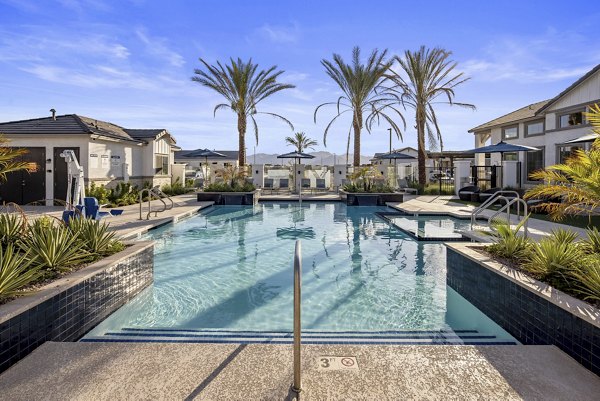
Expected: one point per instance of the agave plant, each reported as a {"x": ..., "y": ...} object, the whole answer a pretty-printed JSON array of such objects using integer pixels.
[
  {"x": 553, "y": 259},
  {"x": 509, "y": 243},
  {"x": 12, "y": 227},
  {"x": 93, "y": 234},
  {"x": 562, "y": 236},
  {"x": 591, "y": 244},
  {"x": 16, "y": 271},
  {"x": 587, "y": 277},
  {"x": 55, "y": 247}
]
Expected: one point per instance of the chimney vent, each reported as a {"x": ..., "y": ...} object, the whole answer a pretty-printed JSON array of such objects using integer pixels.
[{"x": 53, "y": 114}]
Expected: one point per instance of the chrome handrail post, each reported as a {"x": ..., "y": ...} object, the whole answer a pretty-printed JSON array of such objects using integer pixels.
[{"x": 297, "y": 386}]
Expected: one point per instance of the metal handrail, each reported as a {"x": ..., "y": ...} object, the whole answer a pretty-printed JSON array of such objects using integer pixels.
[
  {"x": 488, "y": 203},
  {"x": 297, "y": 386},
  {"x": 519, "y": 202},
  {"x": 150, "y": 195},
  {"x": 163, "y": 195}
]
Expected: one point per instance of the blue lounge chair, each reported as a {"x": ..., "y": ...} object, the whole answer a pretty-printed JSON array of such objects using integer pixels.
[{"x": 92, "y": 209}]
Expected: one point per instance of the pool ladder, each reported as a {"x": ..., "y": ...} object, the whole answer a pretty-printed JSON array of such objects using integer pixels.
[
  {"x": 157, "y": 194},
  {"x": 509, "y": 201}
]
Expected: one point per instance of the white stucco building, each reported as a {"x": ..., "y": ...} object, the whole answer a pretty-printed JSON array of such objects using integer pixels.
[
  {"x": 107, "y": 153},
  {"x": 547, "y": 125}
]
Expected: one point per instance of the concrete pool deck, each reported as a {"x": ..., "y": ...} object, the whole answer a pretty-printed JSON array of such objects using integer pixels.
[{"x": 151, "y": 371}]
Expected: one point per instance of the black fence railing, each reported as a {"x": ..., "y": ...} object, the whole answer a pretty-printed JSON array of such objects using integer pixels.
[{"x": 486, "y": 177}]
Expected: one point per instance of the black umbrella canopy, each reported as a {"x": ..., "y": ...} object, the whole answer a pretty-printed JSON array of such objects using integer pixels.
[
  {"x": 295, "y": 155},
  {"x": 396, "y": 156},
  {"x": 502, "y": 147},
  {"x": 204, "y": 153}
]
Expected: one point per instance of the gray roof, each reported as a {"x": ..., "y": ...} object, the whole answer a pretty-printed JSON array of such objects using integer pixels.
[
  {"x": 521, "y": 114},
  {"x": 72, "y": 124},
  {"x": 231, "y": 154},
  {"x": 571, "y": 87}
]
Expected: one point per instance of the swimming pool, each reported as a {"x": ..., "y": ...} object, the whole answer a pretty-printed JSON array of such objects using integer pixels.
[{"x": 228, "y": 271}]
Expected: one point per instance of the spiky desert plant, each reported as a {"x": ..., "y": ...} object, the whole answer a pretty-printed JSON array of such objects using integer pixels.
[
  {"x": 365, "y": 93},
  {"x": 587, "y": 277},
  {"x": 591, "y": 244},
  {"x": 16, "y": 271},
  {"x": 427, "y": 78},
  {"x": 12, "y": 227},
  {"x": 509, "y": 243},
  {"x": 301, "y": 142},
  {"x": 576, "y": 182},
  {"x": 244, "y": 87},
  {"x": 93, "y": 234}
]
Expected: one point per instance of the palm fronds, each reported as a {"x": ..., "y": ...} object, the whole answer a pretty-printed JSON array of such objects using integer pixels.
[
  {"x": 9, "y": 162},
  {"x": 301, "y": 142}
]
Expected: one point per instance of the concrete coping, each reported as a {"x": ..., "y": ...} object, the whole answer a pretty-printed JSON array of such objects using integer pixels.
[
  {"x": 564, "y": 301},
  {"x": 26, "y": 302}
]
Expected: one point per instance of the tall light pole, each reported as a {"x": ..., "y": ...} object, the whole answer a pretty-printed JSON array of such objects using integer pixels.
[{"x": 389, "y": 129}]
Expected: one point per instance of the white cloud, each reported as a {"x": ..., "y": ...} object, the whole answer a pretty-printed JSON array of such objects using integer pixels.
[
  {"x": 279, "y": 33},
  {"x": 157, "y": 47}
]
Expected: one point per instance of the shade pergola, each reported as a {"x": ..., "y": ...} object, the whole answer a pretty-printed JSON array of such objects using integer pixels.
[
  {"x": 297, "y": 156},
  {"x": 206, "y": 153}
]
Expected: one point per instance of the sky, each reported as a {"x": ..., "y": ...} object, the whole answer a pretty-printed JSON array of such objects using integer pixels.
[{"x": 130, "y": 62}]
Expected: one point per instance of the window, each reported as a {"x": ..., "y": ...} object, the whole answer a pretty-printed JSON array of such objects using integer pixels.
[
  {"x": 510, "y": 156},
  {"x": 534, "y": 160},
  {"x": 570, "y": 119},
  {"x": 510, "y": 132},
  {"x": 534, "y": 128},
  {"x": 564, "y": 152},
  {"x": 161, "y": 164}
]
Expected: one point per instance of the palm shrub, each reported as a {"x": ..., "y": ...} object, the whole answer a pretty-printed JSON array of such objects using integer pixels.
[
  {"x": 54, "y": 247},
  {"x": 16, "y": 271},
  {"x": 509, "y": 243},
  {"x": 94, "y": 236},
  {"x": 301, "y": 142}
]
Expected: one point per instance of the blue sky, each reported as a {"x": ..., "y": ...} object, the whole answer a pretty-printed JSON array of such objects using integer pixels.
[{"x": 130, "y": 62}]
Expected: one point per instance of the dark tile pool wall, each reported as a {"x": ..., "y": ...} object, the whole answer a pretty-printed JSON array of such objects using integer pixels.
[
  {"x": 72, "y": 313},
  {"x": 526, "y": 316}
]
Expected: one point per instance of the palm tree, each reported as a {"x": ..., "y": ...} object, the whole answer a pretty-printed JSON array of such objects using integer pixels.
[
  {"x": 576, "y": 182},
  {"x": 244, "y": 88},
  {"x": 301, "y": 142},
  {"x": 364, "y": 93},
  {"x": 8, "y": 164},
  {"x": 429, "y": 75}
]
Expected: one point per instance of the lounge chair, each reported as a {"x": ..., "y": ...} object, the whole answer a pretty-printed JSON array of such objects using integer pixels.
[
  {"x": 284, "y": 184},
  {"x": 304, "y": 183},
  {"x": 403, "y": 186},
  {"x": 268, "y": 184},
  {"x": 92, "y": 209},
  {"x": 469, "y": 193},
  {"x": 321, "y": 185}
]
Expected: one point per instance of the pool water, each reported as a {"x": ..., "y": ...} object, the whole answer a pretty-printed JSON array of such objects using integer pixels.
[
  {"x": 230, "y": 268},
  {"x": 443, "y": 228}
]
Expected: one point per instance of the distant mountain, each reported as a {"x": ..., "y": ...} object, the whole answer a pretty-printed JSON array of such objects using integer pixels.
[{"x": 321, "y": 158}]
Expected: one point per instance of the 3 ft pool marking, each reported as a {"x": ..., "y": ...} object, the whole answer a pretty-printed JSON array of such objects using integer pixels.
[{"x": 337, "y": 363}]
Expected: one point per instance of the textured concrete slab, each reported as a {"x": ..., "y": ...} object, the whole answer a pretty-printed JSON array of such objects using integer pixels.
[{"x": 119, "y": 371}]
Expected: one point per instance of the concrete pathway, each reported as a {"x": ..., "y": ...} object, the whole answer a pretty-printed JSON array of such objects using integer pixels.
[{"x": 146, "y": 371}]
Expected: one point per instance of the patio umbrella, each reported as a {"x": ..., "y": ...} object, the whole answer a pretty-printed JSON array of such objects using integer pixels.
[
  {"x": 502, "y": 147},
  {"x": 395, "y": 156},
  {"x": 206, "y": 153},
  {"x": 297, "y": 156},
  {"x": 586, "y": 138}
]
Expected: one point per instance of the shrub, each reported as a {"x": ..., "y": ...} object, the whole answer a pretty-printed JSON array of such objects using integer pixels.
[
  {"x": 94, "y": 235},
  {"x": 175, "y": 189},
  {"x": 509, "y": 243},
  {"x": 16, "y": 271},
  {"x": 591, "y": 244},
  {"x": 587, "y": 277},
  {"x": 12, "y": 227},
  {"x": 54, "y": 247},
  {"x": 226, "y": 187}
]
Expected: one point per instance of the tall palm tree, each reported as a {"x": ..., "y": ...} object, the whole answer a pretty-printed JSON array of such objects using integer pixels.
[
  {"x": 244, "y": 88},
  {"x": 301, "y": 142},
  {"x": 429, "y": 80},
  {"x": 364, "y": 93},
  {"x": 576, "y": 182},
  {"x": 8, "y": 163}
]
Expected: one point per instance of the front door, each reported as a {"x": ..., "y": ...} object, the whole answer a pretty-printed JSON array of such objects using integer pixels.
[
  {"x": 60, "y": 173},
  {"x": 23, "y": 187}
]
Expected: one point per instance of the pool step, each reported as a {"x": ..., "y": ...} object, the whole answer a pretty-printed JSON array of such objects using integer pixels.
[{"x": 398, "y": 337}]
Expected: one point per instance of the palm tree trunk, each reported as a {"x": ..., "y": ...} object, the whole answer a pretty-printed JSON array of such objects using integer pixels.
[
  {"x": 421, "y": 145},
  {"x": 357, "y": 124},
  {"x": 242, "y": 139}
]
